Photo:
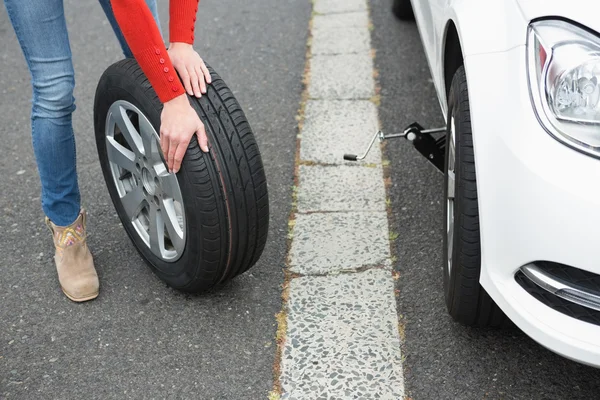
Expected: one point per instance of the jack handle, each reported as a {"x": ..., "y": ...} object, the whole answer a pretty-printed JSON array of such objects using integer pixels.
[
  {"x": 354, "y": 157},
  {"x": 409, "y": 133}
]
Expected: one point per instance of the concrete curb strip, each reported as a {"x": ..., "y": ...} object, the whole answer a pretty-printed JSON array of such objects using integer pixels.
[{"x": 342, "y": 338}]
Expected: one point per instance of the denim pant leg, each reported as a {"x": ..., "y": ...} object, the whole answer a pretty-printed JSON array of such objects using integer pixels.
[
  {"x": 42, "y": 33},
  {"x": 106, "y": 6}
]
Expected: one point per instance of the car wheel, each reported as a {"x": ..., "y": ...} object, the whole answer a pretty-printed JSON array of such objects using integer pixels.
[
  {"x": 466, "y": 300},
  {"x": 402, "y": 9},
  {"x": 204, "y": 225}
]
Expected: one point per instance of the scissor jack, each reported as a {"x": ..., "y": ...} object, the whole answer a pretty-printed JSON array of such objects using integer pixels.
[{"x": 430, "y": 147}]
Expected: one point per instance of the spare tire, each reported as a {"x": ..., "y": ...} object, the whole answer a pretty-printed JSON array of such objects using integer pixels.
[{"x": 204, "y": 225}]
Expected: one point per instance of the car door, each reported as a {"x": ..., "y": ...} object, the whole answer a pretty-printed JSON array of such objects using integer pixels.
[{"x": 430, "y": 18}]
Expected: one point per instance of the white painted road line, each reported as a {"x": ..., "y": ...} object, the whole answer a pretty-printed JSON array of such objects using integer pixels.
[
  {"x": 342, "y": 338},
  {"x": 334, "y": 127},
  {"x": 340, "y": 34},
  {"x": 342, "y": 76},
  {"x": 334, "y": 189},
  {"x": 339, "y": 6}
]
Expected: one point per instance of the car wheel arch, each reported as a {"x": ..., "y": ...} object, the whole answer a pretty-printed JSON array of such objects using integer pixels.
[{"x": 452, "y": 55}]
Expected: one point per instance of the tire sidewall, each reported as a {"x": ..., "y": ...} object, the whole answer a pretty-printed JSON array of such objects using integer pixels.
[{"x": 452, "y": 279}]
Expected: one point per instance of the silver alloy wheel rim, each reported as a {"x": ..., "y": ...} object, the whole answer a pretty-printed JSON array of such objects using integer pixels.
[
  {"x": 451, "y": 191},
  {"x": 149, "y": 194}
]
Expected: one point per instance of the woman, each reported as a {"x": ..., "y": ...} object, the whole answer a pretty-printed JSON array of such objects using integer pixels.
[{"x": 41, "y": 29}]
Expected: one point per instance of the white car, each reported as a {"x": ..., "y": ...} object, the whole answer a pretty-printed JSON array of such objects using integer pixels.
[{"x": 519, "y": 84}]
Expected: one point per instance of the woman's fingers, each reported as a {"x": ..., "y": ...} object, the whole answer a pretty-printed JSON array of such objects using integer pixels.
[
  {"x": 185, "y": 78},
  {"x": 202, "y": 138},
  {"x": 178, "y": 157},
  {"x": 194, "y": 81},
  {"x": 206, "y": 72},
  {"x": 172, "y": 149},
  {"x": 200, "y": 75}
]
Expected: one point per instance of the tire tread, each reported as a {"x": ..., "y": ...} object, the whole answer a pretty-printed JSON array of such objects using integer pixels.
[{"x": 466, "y": 300}]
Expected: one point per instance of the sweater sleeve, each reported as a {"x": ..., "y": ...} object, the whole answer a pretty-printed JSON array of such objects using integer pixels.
[
  {"x": 146, "y": 44},
  {"x": 182, "y": 20}
]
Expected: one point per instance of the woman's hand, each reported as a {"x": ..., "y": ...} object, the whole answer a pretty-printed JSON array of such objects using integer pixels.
[
  {"x": 178, "y": 123},
  {"x": 191, "y": 68}
]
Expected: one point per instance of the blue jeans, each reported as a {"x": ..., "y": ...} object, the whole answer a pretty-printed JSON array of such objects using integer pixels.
[{"x": 41, "y": 29}]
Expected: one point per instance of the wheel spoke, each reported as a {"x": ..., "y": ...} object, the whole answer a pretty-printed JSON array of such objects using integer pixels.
[
  {"x": 452, "y": 147},
  {"x": 127, "y": 129},
  {"x": 149, "y": 140},
  {"x": 450, "y": 240},
  {"x": 451, "y": 185},
  {"x": 121, "y": 156},
  {"x": 172, "y": 225},
  {"x": 170, "y": 186},
  {"x": 156, "y": 232},
  {"x": 133, "y": 202}
]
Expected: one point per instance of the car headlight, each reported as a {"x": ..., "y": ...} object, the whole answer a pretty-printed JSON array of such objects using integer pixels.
[{"x": 564, "y": 79}]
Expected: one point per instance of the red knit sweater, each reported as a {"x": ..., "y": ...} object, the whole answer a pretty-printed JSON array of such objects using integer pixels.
[{"x": 146, "y": 44}]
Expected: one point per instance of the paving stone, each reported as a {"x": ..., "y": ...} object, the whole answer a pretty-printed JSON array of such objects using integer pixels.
[
  {"x": 342, "y": 338},
  {"x": 331, "y": 242},
  {"x": 342, "y": 76},
  {"x": 332, "y": 128},
  {"x": 341, "y": 34},
  {"x": 359, "y": 19},
  {"x": 339, "y": 6},
  {"x": 340, "y": 188}
]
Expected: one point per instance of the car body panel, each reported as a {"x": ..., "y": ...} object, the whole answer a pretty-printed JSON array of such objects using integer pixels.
[
  {"x": 535, "y": 197},
  {"x": 534, "y": 204},
  {"x": 472, "y": 18},
  {"x": 583, "y": 12}
]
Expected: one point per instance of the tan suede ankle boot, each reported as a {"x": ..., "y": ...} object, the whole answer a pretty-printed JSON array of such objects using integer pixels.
[{"x": 74, "y": 262}]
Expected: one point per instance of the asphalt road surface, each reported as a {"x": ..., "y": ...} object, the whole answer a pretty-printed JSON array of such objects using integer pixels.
[
  {"x": 140, "y": 339},
  {"x": 444, "y": 360}
]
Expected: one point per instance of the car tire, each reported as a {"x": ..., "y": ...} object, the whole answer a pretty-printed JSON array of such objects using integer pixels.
[
  {"x": 466, "y": 300},
  {"x": 403, "y": 10},
  {"x": 218, "y": 199}
]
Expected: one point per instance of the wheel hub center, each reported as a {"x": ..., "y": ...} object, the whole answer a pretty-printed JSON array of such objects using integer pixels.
[{"x": 148, "y": 182}]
